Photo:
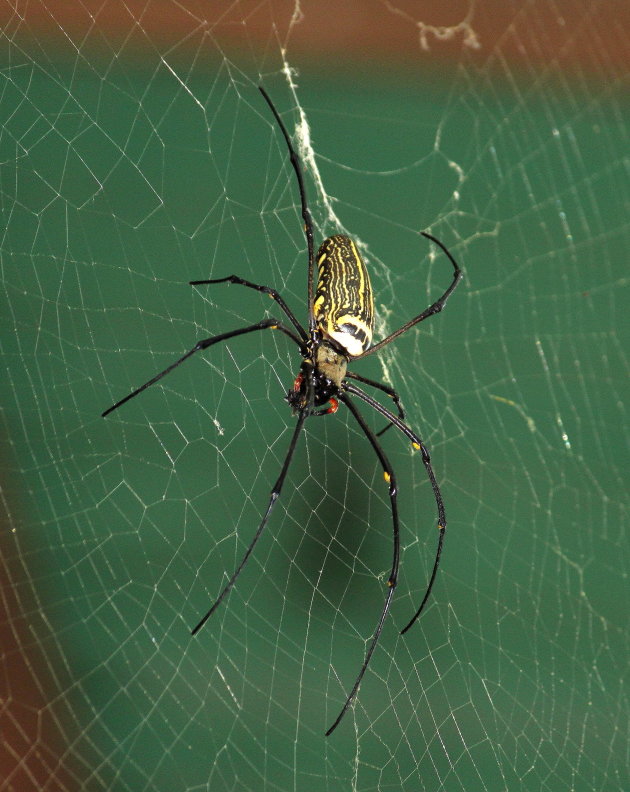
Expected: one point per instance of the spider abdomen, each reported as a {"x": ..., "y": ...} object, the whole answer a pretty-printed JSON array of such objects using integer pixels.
[{"x": 343, "y": 305}]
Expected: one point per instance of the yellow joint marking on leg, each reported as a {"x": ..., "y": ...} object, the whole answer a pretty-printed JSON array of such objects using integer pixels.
[
  {"x": 387, "y": 477},
  {"x": 416, "y": 446},
  {"x": 389, "y": 583},
  {"x": 273, "y": 327},
  {"x": 440, "y": 527}
]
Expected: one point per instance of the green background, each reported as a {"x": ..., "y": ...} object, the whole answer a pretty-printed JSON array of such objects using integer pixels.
[{"x": 123, "y": 181}]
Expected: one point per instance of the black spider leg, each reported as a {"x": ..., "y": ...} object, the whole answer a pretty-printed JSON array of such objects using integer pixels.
[
  {"x": 266, "y": 290},
  {"x": 306, "y": 215},
  {"x": 426, "y": 459},
  {"x": 264, "y": 324},
  {"x": 436, "y": 307},
  {"x": 275, "y": 494},
  {"x": 393, "y": 576},
  {"x": 386, "y": 389}
]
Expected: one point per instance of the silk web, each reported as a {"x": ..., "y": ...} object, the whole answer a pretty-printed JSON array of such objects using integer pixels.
[{"x": 133, "y": 162}]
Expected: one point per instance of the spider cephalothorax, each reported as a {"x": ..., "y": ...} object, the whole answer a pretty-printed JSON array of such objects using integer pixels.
[
  {"x": 317, "y": 383},
  {"x": 340, "y": 326}
]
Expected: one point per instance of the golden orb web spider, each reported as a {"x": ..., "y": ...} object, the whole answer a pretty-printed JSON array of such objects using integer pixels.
[{"x": 340, "y": 325}]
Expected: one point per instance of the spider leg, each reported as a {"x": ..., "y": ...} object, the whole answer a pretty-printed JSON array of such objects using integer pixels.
[
  {"x": 204, "y": 344},
  {"x": 275, "y": 494},
  {"x": 266, "y": 290},
  {"x": 393, "y": 576},
  {"x": 426, "y": 459},
  {"x": 386, "y": 389},
  {"x": 306, "y": 215},
  {"x": 436, "y": 307}
]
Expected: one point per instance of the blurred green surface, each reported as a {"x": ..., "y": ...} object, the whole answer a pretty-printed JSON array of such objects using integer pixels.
[{"x": 121, "y": 184}]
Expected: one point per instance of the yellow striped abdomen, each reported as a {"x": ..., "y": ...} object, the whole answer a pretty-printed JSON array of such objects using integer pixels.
[{"x": 343, "y": 306}]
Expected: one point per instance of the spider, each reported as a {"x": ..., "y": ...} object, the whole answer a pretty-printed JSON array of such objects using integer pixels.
[{"x": 340, "y": 325}]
